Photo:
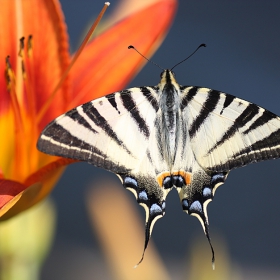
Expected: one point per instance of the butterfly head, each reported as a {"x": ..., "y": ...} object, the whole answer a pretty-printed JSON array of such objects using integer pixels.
[{"x": 167, "y": 79}]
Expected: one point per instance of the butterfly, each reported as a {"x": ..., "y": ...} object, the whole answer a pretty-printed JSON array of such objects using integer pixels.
[{"x": 155, "y": 138}]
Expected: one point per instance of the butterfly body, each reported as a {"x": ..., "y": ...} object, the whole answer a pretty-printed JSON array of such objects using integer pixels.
[{"x": 159, "y": 137}]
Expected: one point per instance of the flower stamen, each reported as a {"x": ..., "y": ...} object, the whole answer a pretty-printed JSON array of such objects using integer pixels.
[
  {"x": 30, "y": 46},
  {"x": 21, "y": 46},
  {"x": 25, "y": 53},
  {"x": 19, "y": 126},
  {"x": 24, "y": 110},
  {"x": 11, "y": 82},
  {"x": 9, "y": 74}
]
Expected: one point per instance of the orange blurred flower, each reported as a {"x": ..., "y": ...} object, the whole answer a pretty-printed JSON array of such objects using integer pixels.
[{"x": 32, "y": 68}]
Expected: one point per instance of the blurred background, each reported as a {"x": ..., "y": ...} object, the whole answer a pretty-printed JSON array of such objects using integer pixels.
[{"x": 242, "y": 58}]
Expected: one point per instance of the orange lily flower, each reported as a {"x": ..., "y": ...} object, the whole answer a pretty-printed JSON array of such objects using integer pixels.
[{"x": 31, "y": 69}]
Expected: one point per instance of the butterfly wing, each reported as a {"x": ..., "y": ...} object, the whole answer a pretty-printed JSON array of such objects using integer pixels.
[
  {"x": 227, "y": 132},
  {"x": 117, "y": 132},
  {"x": 219, "y": 132},
  {"x": 103, "y": 132}
]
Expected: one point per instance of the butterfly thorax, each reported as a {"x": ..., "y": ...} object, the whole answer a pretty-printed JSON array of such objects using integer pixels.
[{"x": 169, "y": 124}]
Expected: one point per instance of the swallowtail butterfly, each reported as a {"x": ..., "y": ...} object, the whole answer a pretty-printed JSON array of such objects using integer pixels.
[{"x": 155, "y": 138}]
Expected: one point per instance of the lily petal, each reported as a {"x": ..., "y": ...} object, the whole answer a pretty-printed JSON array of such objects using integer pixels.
[
  {"x": 16, "y": 197},
  {"x": 113, "y": 65},
  {"x": 12, "y": 207},
  {"x": 8, "y": 190},
  {"x": 50, "y": 52},
  {"x": 124, "y": 9}
]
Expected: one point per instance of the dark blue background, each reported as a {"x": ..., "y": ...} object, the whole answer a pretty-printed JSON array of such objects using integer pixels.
[{"x": 242, "y": 58}]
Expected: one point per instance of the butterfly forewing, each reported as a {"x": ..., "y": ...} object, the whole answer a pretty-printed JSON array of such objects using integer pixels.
[
  {"x": 234, "y": 132},
  {"x": 104, "y": 131}
]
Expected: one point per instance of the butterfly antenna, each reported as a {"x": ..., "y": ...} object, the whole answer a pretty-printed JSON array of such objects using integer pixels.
[
  {"x": 132, "y": 47},
  {"x": 201, "y": 45}
]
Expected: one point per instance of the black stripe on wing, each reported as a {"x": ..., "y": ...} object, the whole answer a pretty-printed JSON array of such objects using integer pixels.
[
  {"x": 266, "y": 148},
  {"x": 263, "y": 119},
  {"x": 147, "y": 93},
  {"x": 228, "y": 100},
  {"x": 101, "y": 122},
  {"x": 188, "y": 96},
  {"x": 247, "y": 115},
  {"x": 131, "y": 107},
  {"x": 208, "y": 107},
  {"x": 111, "y": 98},
  {"x": 67, "y": 144},
  {"x": 269, "y": 147},
  {"x": 74, "y": 115}
]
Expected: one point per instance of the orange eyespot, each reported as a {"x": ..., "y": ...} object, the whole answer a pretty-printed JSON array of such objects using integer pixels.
[
  {"x": 186, "y": 175},
  {"x": 161, "y": 177}
]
